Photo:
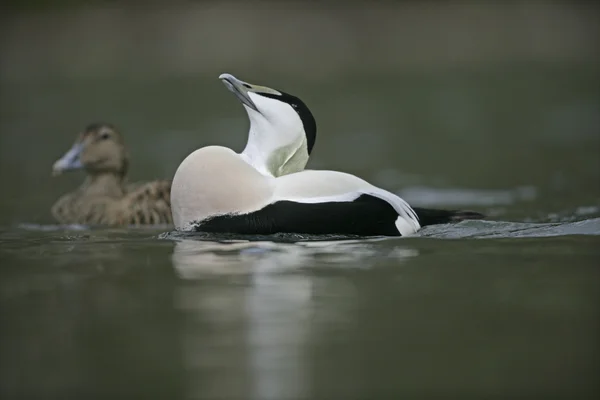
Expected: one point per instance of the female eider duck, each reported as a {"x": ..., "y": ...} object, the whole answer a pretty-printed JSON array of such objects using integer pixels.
[
  {"x": 218, "y": 190},
  {"x": 105, "y": 198}
]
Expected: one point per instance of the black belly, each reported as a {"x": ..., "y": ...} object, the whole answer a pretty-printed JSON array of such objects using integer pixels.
[{"x": 365, "y": 216}]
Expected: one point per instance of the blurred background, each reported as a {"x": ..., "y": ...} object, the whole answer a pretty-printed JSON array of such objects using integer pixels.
[
  {"x": 415, "y": 96},
  {"x": 492, "y": 106}
]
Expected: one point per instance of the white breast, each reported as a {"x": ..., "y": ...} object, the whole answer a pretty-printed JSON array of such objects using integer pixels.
[{"x": 215, "y": 180}]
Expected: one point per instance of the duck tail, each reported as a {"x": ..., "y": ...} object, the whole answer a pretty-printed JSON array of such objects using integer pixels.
[{"x": 428, "y": 216}]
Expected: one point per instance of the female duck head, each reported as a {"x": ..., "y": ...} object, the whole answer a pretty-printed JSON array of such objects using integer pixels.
[
  {"x": 282, "y": 128},
  {"x": 99, "y": 149}
]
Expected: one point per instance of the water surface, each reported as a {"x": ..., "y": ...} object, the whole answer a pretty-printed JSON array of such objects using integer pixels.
[{"x": 470, "y": 309}]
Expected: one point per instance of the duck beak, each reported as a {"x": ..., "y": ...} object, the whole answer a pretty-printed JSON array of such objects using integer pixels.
[
  {"x": 70, "y": 161},
  {"x": 240, "y": 89}
]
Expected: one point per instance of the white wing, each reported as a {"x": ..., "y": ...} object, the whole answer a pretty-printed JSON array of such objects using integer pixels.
[{"x": 315, "y": 186}]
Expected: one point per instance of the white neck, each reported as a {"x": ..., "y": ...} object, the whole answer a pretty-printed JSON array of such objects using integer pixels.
[{"x": 272, "y": 151}]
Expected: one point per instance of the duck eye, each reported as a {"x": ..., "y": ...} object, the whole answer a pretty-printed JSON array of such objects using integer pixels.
[{"x": 104, "y": 135}]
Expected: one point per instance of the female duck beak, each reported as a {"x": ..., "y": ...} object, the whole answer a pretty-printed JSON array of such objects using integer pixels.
[{"x": 70, "y": 161}]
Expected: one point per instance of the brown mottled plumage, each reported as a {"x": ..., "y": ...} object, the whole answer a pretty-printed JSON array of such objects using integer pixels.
[{"x": 105, "y": 198}]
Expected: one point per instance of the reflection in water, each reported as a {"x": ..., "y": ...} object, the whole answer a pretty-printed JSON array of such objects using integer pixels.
[
  {"x": 264, "y": 329},
  {"x": 278, "y": 310}
]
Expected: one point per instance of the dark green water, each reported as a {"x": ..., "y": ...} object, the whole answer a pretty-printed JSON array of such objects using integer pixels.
[
  {"x": 507, "y": 308},
  {"x": 128, "y": 314}
]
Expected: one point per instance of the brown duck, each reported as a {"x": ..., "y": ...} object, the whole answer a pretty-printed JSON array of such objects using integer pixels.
[{"x": 105, "y": 198}]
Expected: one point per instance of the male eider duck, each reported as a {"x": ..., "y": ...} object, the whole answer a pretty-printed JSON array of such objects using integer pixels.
[
  {"x": 105, "y": 198},
  {"x": 218, "y": 190}
]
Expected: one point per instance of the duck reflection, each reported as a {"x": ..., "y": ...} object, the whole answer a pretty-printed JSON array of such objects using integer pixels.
[{"x": 263, "y": 301}]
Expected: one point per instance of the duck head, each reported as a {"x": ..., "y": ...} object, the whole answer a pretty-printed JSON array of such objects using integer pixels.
[
  {"x": 99, "y": 149},
  {"x": 282, "y": 128}
]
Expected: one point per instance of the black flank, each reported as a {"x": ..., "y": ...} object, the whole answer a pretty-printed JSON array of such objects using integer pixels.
[
  {"x": 433, "y": 217},
  {"x": 365, "y": 216}
]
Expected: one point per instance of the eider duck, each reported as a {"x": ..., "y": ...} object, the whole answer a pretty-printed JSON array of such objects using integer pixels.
[
  {"x": 105, "y": 198},
  {"x": 218, "y": 190}
]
